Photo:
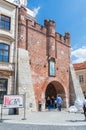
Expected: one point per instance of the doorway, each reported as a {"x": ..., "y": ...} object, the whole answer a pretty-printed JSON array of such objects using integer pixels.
[
  {"x": 50, "y": 91},
  {"x": 53, "y": 89}
]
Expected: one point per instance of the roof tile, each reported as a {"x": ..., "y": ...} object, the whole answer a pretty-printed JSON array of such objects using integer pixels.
[{"x": 79, "y": 66}]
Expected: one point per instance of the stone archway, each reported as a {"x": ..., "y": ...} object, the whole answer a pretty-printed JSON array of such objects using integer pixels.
[
  {"x": 55, "y": 88},
  {"x": 50, "y": 91}
]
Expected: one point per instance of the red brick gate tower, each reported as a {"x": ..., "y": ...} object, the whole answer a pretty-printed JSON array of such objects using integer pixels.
[{"x": 49, "y": 54}]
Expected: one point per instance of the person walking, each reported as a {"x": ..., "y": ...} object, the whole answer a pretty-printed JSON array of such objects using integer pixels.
[
  {"x": 49, "y": 103},
  {"x": 53, "y": 102},
  {"x": 39, "y": 105},
  {"x": 59, "y": 103},
  {"x": 84, "y": 107}
]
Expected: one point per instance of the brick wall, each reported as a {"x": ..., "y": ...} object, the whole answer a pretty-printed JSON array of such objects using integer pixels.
[{"x": 43, "y": 44}]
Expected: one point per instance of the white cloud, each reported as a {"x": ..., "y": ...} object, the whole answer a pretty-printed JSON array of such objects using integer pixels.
[
  {"x": 36, "y": 10},
  {"x": 79, "y": 55}
]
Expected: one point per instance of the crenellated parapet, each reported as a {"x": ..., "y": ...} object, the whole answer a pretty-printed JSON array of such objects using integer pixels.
[
  {"x": 50, "y": 26},
  {"x": 63, "y": 39},
  {"x": 36, "y": 26},
  {"x": 47, "y": 29},
  {"x": 49, "y": 23},
  {"x": 59, "y": 37},
  {"x": 67, "y": 37}
]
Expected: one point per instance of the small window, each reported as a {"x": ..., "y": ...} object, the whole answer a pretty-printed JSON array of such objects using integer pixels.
[
  {"x": 5, "y": 22},
  {"x": 3, "y": 89},
  {"x": 4, "y": 52},
  {"x": 81, "y": 79},
  {"x": 51, "y": 68}
]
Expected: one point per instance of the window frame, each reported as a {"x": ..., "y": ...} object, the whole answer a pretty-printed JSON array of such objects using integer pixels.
[
  {"x": 81, "y": 78},
  {"x": 3, "y": 57},
  {"x": 3, "y": 88},
  {"x": 5, "y": 22},
  {"x": 51, "y": 68}
]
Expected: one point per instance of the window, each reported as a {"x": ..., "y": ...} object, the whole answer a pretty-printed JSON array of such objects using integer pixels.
[
  {"x": 4, "y": 52},
  {"x": 51, "y": 68},
  {"x": 81, "y": 79},
  {"x": 5, "y": 22},
  {"x": 3, "y": 89}
]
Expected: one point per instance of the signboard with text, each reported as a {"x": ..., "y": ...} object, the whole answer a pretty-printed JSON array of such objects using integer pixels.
[{"x": 13, "y": 101}]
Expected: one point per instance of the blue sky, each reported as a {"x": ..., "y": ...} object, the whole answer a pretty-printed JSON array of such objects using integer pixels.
[{"x": 69, "y": 16}]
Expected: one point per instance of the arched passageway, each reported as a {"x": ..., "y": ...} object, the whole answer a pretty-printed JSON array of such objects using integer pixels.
[
  {"x": 53, "y": 89},
  {"x": 50, "y": 91}
]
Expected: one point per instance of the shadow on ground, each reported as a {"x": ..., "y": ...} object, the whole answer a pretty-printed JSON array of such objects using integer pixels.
[{"x": 76, "y": 120}]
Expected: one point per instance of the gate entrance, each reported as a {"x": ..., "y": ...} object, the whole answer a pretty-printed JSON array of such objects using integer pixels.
[
  {"x": 50, "y": 91},
  {"x": 53, "y": 89}
]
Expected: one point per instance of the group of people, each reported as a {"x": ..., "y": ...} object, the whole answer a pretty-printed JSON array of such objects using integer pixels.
[{"x": 53, "y": 103}]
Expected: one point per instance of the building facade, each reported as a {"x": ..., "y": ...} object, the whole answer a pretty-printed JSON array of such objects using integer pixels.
[
  {"x": 80, "y": 69},
  {"x": 34, "y": 58},
  {"x": 49, "y": 57},
  {"x": 8, "y": 48}
]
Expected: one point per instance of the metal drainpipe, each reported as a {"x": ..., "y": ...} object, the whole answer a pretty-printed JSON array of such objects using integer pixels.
[{"x": 16, "y": 52}]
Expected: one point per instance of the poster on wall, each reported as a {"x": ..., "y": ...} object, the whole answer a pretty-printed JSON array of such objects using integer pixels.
[{"x": 13, "y": 101}]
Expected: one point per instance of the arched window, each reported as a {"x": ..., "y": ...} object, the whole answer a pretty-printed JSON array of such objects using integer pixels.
[
  {"x": 4, "y": 52},
  {"x": 52, "y": 71},
  {"x": 3, "y": 88}
]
